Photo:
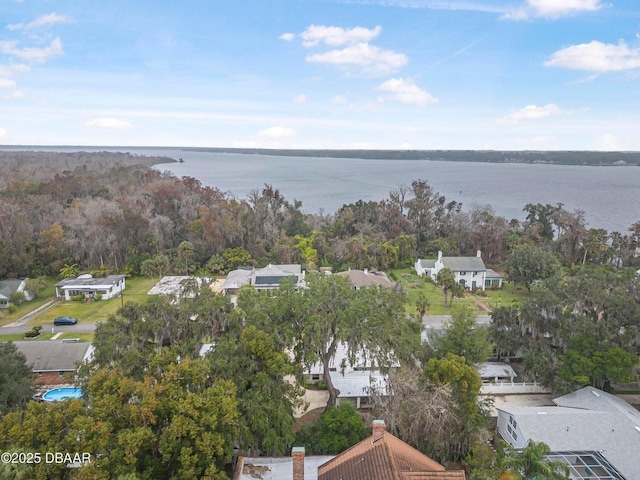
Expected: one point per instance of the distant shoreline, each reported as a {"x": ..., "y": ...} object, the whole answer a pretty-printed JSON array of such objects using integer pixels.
[
  {"x": 560, "y": 157},
  {"x": 591, "y": 158}
]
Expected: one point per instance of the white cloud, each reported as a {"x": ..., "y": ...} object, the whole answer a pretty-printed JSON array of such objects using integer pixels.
[
  {"x": 49, "y": 19},
  {"x": 468, "y": 5},
  {"x": 108, "y": 123},
  {"x": 596, "y": 57},
  {"x": 367, "y": 57},
  {"x": 336, "y": 36},
  {"x": 302, "y": 98},
  {"x": 552, "y": 9},
  {"x": 33, "y": 54},
  {"x": 17, "y": 94},
  {"x": 7, "y": 83},
  {"x": 406, "y": 91},
  {"x": 339, "y": 100},
  {"x": 531, "y": 112},
  {"x": 9, "y": 70},
  {"x": 276, "y": 132},
  {"x": 287, "y": 36},
  {"x": 3, "y": 133}
]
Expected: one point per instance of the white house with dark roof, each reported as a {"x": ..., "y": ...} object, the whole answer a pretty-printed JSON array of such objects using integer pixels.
[
  {"x": 109, "y": 287},
  {"x": 587, "y": 420}
]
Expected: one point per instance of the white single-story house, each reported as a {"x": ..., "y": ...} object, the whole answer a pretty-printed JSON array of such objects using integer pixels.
[
  {"x": 109, "y": 287},
  {"x": 586, "y": 424},
  {"x": 10, "y": 286},
  {"x": 267, "y": 278}
]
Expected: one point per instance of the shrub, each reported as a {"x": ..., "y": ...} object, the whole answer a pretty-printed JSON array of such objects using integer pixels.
[
  {"x": 98, "y": 296},
  {"x": 77, "y": 298},
  {"x": 31, "y": 333},
  {"x": 12, "y": 308},
  {"x": 17, "y": 298}
]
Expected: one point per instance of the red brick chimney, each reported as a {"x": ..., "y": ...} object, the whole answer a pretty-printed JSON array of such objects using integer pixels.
[
  {"x": 297, "y": 454},
  {"x": 379, "y": 428}
]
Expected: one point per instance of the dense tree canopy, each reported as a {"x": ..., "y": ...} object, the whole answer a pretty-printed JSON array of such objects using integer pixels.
[
  {"x": 370, "y": 322},
  {"x": 16, "y": 387}
]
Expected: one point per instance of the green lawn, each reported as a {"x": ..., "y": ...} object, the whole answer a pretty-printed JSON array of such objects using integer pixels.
[
  {"x": 416, "y": 285},
  {"x": 26, "y": 307},
  {"x": 99, "y": 310},
  {"x": 509, "y": 294}
]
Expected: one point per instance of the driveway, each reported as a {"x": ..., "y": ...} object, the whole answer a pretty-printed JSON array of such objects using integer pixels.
[{"x": 439, "y": 321}]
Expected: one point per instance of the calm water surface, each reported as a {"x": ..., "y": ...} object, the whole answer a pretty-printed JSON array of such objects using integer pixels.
[{"x": 609, "y": 196}]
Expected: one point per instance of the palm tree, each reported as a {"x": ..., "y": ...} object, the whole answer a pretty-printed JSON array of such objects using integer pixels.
[
  {"x": 447, "y": 281},
  {"x": 69, "y": 271},
  {"x": 530, "y": 464}
]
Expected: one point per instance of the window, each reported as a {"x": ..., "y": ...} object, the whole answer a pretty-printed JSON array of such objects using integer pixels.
[
  {"x": 315, "y": 376},
  {"x": 487, "y": 283},
  {"x": 463, "y": 273}
]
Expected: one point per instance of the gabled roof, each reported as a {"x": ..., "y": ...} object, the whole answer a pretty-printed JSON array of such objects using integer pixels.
[
  {"x": 8, "y": 287},
  {"x": 367, "y": 278},
  {"x": 464, "y": 264},
  {"x": 427, "y": 262},
  {"x": 386, "y": 458},
  {"x": 52, "y": 356}
]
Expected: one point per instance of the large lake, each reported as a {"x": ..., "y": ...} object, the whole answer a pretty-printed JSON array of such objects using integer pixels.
[{"x": 609, "y": 196}]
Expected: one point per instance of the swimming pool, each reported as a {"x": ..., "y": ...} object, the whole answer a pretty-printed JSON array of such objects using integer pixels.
[{"x": 62, "y": 394}]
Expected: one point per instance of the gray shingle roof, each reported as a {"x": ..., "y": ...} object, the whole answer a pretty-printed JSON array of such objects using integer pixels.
[
  {"x": 464, "y": 264},
  {"x": 427, "y": 263},
  {"x": 52, "y": 355}
]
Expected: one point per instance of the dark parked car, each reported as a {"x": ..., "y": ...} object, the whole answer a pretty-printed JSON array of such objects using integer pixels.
[{"x": 65, "y": 321}]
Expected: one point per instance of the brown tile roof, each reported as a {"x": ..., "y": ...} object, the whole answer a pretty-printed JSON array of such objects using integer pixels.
[
  {"x": 450, "y": 475},
  {"x": 388, "y": 458},
  {"x": 367, "y": 278}
]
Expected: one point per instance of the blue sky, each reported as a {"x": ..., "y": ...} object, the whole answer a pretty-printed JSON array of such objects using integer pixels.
[{"x": 399, "y": 74}]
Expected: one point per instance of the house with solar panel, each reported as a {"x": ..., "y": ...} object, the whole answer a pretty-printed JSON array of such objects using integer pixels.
[{"x": 267, "y": 278}]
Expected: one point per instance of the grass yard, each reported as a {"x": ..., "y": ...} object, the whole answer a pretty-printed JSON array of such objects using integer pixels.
[
  {"x": 416, "y": 285},
  {"x": 99, "y": 310},
  {"x": 509, "y": 294},
  {"x": 44, "y": 297}
]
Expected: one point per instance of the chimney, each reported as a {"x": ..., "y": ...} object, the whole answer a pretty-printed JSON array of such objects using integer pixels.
[
  {"x": 378, "y": 430},
  {"x": 479, "y": 254},
  {"x": 439, "y": 254},
  {"x": 297, "y": 454}
]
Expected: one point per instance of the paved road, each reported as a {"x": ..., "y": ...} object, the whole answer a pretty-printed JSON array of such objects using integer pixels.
[{"x": 80, "y": 327}]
